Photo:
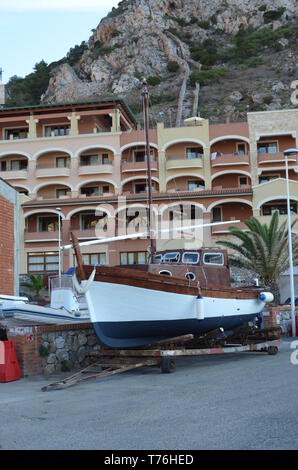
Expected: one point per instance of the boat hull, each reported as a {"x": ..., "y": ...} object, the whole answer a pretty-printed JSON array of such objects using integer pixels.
[
  {"x": 126, "y": 316},
  {"x": 30, "y": 312}
]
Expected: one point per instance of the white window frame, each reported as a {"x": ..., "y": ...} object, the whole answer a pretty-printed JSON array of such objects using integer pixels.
[
  {"x": 214, "y": 264},
  {"x": 165, "y": 272},
  {"x": 171, "y": 253},
  {"x": 268, "y": 141},
  {"x": 241, "y": 143},
  {"x": 54, "y": 125},
  {"x": 189, "y": 273},
  {"x": 191, "y": 253}
]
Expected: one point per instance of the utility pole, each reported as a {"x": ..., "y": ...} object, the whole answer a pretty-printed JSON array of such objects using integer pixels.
[{"x": 288, "y": 153}]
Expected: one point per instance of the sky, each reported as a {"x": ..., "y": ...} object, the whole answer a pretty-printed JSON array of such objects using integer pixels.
[{"x": 32, "y": 30}]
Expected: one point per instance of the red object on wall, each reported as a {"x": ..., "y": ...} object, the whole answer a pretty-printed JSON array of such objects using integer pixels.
[
  {"x": 9, "y": 366},
  {"x": 296, "y": 321}
]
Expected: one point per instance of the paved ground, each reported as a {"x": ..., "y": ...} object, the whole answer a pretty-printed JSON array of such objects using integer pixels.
[{"x": 243, "y": 401}]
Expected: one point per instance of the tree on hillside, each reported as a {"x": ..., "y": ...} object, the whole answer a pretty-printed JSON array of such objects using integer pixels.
[
  {"x": 28, "y": 90},
  {"x": 263, "y": 250}
]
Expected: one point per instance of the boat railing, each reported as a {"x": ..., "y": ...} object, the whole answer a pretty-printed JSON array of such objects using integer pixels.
[{"x": 63, "y": 282}]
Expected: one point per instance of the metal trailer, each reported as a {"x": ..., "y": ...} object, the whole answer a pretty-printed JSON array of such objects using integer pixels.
[{"x": 163, "y": 353}]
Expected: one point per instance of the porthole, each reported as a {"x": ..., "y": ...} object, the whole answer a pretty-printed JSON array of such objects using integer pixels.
[
  {"x": 165, "y": 272},
  {"x": 190, "y": 276}
]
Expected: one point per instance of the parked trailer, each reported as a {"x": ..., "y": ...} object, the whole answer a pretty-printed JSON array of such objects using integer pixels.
[{"x": 116, "y": 361}]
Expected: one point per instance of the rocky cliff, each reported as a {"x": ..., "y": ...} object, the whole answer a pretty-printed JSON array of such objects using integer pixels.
[{"x": 220, "y": 58}]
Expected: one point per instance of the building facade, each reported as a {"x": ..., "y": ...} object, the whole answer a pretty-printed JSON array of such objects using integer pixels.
[
  {"x": 9, "y": 239},
  {"x": 86, "y": 162}
]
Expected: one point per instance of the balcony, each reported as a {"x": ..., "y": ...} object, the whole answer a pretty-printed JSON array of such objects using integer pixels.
[
  {"x": 14, "y": 174},
  {"x": 85, "y": 234},
  {"x": 277, "y": 157},
  {"x": 128, "y": 166},
  {"x": 224, "y": 228},
  {"x": 51, "y": 171},
  {"x": 266, "y": 219},
  {"x": 175, "y": 163},
  {"x": 229, "y": 159},
  {"x": 95, "y": 169},
  {"x": 40, "y": 236}
]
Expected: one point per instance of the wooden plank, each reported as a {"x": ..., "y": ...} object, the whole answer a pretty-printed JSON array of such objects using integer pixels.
[{"x": 87, "y": 374}]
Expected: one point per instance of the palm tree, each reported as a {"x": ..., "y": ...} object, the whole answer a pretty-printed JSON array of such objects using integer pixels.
[
  {"x": 35, "y": 284},
  {"x": 263, "y": 250}
]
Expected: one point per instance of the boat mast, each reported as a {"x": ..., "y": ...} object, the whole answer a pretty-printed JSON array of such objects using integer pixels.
[
  {"x": 145, "y": 95},
  {"x": 78, "y": 254}
]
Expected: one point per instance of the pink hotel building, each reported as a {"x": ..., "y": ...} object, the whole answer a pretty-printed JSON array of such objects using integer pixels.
[{"x": 79, "y": 156}]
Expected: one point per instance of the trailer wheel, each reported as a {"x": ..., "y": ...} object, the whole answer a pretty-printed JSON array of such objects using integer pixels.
[
  {"x": 167, "y": 365},
  {"x": 272, "y": 350}
]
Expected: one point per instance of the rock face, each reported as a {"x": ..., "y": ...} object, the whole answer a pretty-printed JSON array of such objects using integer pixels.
[{"x": 141, "y": 37}]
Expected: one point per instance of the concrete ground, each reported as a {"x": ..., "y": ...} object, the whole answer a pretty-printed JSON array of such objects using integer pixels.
[{"x": 239, "y": 401}]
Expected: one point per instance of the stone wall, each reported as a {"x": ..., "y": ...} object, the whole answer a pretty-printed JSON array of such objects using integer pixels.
[
  {"x": 69, "y": 349},
  {"x": 54, "y": 348}
]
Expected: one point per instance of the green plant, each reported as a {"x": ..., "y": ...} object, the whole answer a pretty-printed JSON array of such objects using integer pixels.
[
  {"x": 204, "y": 24},
  {"x": 115, "y": 33},
  {"x": 250, "y": 42},
  {"x": 181, "y": 21},
  {"x": 173, "y": 66},
  {"x": 28, "y": 90},
  {"x": 75, "y": 53},
  {"x": 205, "y": 52},
  {"x": 43, "y": 351},
  {"x": 121, "y": 8},
  {"x": 253, "y": 61},
  {"x": 183, "y": 36},
  {"x": 268, "y": 99},
  {"x": 263, "y": 250},
  {"x": 272, "y": 15},
  {"x": 205, "y": 76},
  {"x": 162, "y": 98},
  {"x": 99, "y": 49},
  {"x": 66, "y": 366},
  {"x": 213, "y": 19},
  {"x": 35, "y": 284},
  {"x": 153, "y": 80}
]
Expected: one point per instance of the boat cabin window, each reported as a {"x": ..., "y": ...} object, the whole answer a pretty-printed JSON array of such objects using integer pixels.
[
  {"x": 190, "y": 276},
  {"x": 190, "y": 257},
  {"x": 213, "y": 258},
  {"x": 165, "y": 272},
  {"x": 158, "y": 259},
  {"x": 171, "y": 257}
]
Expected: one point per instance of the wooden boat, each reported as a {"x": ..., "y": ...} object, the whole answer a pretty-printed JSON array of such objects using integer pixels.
[
  {"x": 178, "y": 292},
  {"x": 133, "y": 306}
]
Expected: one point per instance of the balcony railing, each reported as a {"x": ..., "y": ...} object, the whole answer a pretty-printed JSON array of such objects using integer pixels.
[
  {"x": 48, "y": 170},
  {"x": 83, "y": 234},
  {"x": 224, "y": 228},
  {"x": 222, "y": 159},
  {"x": 277, "y": 157},
  {"x": 137, "y": 166},
  {"x": 175, "y": 162},
  {"x": 40, "y": 236},
  {"x": 95, "y": 169},
  {"x": 14, "y": 174}
]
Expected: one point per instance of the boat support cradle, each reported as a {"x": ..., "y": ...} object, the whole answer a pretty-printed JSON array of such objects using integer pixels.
[{"x": 163, "y": 353}]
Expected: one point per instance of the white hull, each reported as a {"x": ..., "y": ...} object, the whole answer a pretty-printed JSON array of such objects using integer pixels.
[
  {"x": 30, "y": 312},
  {"x": 124, "y": 314}
]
